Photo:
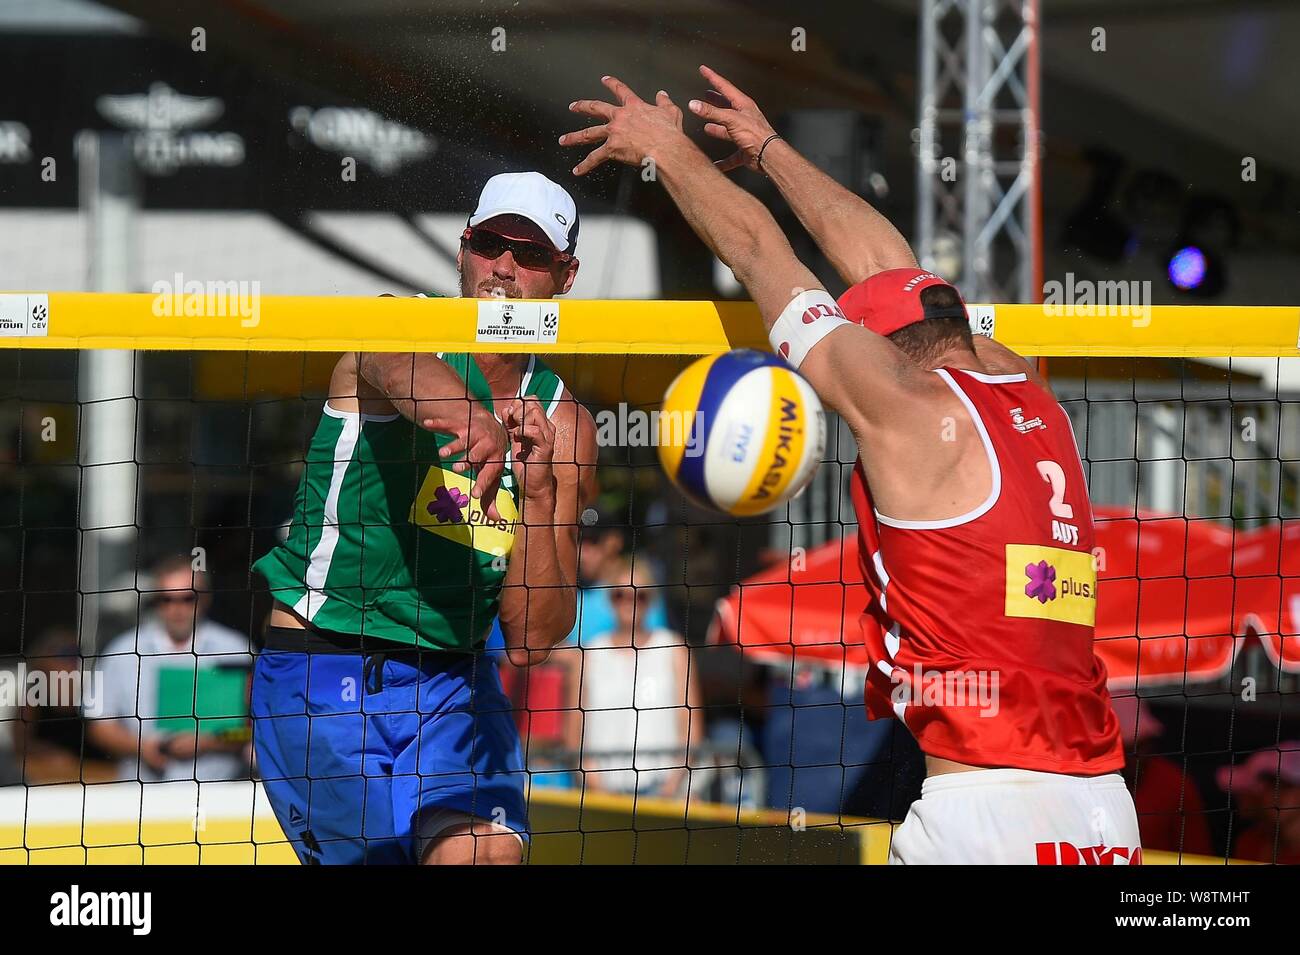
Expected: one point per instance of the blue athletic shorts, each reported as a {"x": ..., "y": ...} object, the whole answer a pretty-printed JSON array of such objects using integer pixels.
[{"x": 356, "y": 753}]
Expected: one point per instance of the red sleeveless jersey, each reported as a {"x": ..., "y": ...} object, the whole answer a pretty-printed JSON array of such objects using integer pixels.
[{"x": 981, "y": 627}]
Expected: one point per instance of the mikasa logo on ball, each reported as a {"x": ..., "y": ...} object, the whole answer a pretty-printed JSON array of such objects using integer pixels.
[{"x": 787, "y": 430}]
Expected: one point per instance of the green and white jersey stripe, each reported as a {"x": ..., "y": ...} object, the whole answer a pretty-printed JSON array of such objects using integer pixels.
[{"x": 385, "y": 540}]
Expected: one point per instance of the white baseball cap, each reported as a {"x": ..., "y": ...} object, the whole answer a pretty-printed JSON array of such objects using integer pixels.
[{"x": 537, "y": 199}]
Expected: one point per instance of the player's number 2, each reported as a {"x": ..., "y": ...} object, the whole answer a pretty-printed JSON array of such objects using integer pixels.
[{"x": 1054, "y": 475}]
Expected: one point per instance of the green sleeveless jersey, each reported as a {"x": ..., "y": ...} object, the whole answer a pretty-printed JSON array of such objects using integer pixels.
[{"x": 385, "y": 540}]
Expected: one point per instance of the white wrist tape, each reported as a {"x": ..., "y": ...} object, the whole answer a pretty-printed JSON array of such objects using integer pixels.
[{"x": 809, "y": 318}]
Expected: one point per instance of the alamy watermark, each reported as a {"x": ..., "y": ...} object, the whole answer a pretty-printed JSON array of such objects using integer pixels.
[
  {"x": 79, "y": 907},
  {"x": 634, "y": 428},
  {"x": 1123, "y": 299},
  {"x": 177, "y": 297},
  {"x": 947, "y": 688},
  {"x": 20, "y": 687}
]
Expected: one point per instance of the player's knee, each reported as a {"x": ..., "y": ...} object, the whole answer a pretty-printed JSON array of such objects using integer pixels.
[
  {"x": 498, "y": 848},
  {"x": 477, "y": 844}
]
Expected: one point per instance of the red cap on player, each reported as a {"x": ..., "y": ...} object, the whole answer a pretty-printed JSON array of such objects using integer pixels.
[{"x": 890, "y": 300}]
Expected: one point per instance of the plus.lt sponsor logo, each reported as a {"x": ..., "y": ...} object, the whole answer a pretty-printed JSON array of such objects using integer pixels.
[
  {"x": 1042, "y": 582},
  {"x": 1064, "y": 853},
  {"x": 447, "y": 505},
  {"x": 1042, "y": 585},
  {"x": 1051, "y": 583}
]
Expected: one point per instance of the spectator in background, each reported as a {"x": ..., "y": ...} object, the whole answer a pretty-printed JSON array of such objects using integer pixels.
[
  {"x": 175, "y": 691},
  {"x": 639, "y": 719},
  {"x": 545, "y": 696},
  {"x": 600, "y": 554},
  {"x": 50, "y": 741},
  {"x": 821, "y": 752},
  {"x": 1266, "y": 792},
  {"x": 1171, "y": 812}
]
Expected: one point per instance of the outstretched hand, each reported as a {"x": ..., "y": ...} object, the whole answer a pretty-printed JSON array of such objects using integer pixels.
[
  {"x": 731, "y": 115},
  {"x": 630, "y": 132}
]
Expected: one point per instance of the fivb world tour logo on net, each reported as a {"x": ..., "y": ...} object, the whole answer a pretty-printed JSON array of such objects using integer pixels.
[{"x": 178, "y": 297}]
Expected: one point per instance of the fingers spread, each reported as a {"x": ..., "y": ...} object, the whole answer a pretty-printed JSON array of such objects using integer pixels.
[
  {"x": 717, "y": 99},
  {"x": 725, "y": 86},
  {"x": 705, "y": 111},
  {"x": 454, "y": 446},
  {"x": 593, "y": 107},
  {"x": 592, "y": 134},
  {"x": 594, "y": 159},
  {"x": 489, "y": 476},
  {"x": 622, "y": 92}
]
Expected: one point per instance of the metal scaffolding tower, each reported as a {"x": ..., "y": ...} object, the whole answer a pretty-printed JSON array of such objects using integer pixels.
[{"x": 977, "y": 139}]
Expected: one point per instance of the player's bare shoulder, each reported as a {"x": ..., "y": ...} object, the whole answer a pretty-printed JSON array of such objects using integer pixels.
[
  {"x": 574, "y": 458},
  {"x": 998, "y": 359},
  {"x": 351, "y": 392},
  {"x": 575, "y": 431},
  {"x": 343, "y": 384}
]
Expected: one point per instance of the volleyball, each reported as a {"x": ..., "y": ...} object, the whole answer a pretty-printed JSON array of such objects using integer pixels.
[{"x": 741, "y": 432}]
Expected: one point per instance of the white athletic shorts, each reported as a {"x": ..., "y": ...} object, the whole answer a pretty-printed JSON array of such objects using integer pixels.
[{"x": 1019, "y": 817}]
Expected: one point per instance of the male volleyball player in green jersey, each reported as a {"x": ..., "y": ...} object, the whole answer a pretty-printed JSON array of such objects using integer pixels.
[{"x": 439, "y": 492}]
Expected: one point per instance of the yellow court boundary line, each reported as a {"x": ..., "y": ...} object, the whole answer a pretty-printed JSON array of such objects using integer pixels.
[{"x": 87, "y": 320}]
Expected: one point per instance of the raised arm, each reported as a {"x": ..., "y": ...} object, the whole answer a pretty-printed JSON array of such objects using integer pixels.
[
  {"x": 861, "y": 375},
  {"x": 857, "y": 239},
  {"x": 729, "y": 220},
  {"x": 558, "y": 464}
]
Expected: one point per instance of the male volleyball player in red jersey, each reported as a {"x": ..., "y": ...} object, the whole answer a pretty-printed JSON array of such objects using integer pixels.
[{"x": 974, "y": 517}]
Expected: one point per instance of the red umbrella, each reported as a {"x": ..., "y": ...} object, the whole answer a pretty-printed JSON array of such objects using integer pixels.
[
  {"x": 811, "y": 606},
  {"x": 1266, "y": 566},
  {"x": 1164, "y": 597}
]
